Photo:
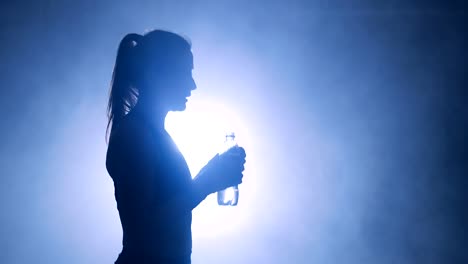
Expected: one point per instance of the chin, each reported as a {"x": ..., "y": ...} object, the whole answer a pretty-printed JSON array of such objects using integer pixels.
[{"x": 181, "y": 107}]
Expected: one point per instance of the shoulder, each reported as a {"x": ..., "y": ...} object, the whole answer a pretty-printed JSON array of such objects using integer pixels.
[
  {"x": 130, "y": 140},
  {"x": 133, "y": 131}
]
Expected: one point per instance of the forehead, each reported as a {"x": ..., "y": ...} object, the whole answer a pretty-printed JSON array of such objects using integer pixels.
[
  {"x": 182, "y": 60},
  {"x": 190, "y": 59}
]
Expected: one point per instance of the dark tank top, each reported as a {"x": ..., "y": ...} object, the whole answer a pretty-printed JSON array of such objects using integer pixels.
[{"x": 148, "y": 170}]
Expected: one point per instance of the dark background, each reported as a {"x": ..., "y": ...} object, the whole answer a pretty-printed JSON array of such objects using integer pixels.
[{"x": 361, "y": 107}]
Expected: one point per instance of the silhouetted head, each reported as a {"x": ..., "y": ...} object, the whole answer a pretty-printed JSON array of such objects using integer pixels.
[{"x": 153, "y": 70}]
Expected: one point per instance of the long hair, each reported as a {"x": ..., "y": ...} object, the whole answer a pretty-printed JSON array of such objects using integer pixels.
[{"x": 136, "y": 52}]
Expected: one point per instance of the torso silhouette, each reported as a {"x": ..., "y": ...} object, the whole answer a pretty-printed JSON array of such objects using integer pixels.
[{"x": 148, "y": 171}]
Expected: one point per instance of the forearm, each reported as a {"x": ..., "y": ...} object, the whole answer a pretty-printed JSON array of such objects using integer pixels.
[{"x": 183, "y": 202}]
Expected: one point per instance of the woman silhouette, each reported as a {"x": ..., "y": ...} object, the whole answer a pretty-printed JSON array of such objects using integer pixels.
[{"x": 154, "y": 190}]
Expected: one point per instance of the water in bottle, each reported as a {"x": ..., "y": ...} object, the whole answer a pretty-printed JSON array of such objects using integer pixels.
[{"x": 229, "y": 196}]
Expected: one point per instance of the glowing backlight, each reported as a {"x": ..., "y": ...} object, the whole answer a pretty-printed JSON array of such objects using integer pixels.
[{"x": 199, "y": 132}]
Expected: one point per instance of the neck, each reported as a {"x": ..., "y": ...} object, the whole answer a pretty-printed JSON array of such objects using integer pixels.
[{"x": 152, "y": 113}]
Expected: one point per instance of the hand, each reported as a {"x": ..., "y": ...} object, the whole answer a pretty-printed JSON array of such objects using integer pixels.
[{"x": 223, "y": 171}]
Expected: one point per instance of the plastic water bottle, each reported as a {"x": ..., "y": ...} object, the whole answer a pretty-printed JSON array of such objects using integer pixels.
[{"x": 229, "y": 196}]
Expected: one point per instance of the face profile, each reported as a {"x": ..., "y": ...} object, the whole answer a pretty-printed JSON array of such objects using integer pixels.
[
  {"x": 174, "y": 89},
  {"x": 164, "y": 79}
]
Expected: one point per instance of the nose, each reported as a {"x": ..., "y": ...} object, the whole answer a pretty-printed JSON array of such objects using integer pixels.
[{"x": 193, "y": 85}]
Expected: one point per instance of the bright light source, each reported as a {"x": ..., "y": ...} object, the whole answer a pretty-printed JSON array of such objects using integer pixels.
[{"x": 199, "y": 132}]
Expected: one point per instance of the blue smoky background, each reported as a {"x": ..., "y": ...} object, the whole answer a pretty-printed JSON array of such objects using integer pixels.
[{"x": 355, "y": 112}]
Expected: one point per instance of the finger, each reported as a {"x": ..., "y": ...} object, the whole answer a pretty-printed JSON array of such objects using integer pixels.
[
  {"x": 235, "y": 175},
  {"x": 232, "y": 163},
  {"x": 235, "y": 159},
  {"x": 241, "y": 176},
  {"x": 237, "y": 181},
  {"x": 242, "y": 151},
  {"x": 235, "y": 167},
  {"x": 237, "y": 151},
  {"x": 234, "y": 154}
]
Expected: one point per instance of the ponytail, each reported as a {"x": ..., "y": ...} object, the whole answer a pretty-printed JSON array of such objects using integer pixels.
[{"x": 123, "y": 94}]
